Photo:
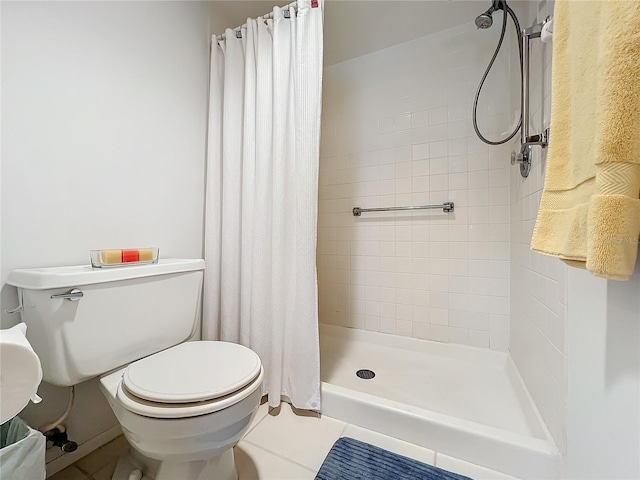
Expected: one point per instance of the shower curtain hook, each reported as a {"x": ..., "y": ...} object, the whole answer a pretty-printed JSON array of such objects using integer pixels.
[
  {"x": 287, "y": 13},
  {"x": 238, "y": 33}
]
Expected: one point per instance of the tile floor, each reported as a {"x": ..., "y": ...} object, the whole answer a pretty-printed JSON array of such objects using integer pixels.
[{"x": 284, "y": 444}]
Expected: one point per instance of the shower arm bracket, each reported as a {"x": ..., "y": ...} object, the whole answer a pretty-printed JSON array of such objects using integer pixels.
[
  {"x": 527, "y": 141},
  {"x": 534, "y": 31}
]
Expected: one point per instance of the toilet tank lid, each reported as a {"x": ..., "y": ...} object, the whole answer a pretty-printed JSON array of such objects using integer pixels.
[{"x": 74, "y": 276}]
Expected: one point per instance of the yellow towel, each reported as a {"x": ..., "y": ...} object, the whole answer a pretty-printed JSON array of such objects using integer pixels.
[{"x": 590, "y": 210}]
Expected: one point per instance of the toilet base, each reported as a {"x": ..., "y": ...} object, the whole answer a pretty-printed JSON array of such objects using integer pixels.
[
  {"x": 220, "y": 467},
  {"x": 126, "y": 467}
]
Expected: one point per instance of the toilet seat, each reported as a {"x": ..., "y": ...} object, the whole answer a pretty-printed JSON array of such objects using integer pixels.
[
  {"x": 190, "y": 379},
  {"x": 147, "y": 408}
]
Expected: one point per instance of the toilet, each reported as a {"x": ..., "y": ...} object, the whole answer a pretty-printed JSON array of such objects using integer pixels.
[{"x": 182, "y": 403}]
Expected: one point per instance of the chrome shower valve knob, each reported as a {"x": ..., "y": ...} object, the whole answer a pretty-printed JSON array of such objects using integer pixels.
[
  {"x": 516, "y": 157},
  {"x": 523, "y": 157}
]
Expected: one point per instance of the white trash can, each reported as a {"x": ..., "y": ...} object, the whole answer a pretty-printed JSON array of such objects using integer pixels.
[{"x": 21, "y": 451}]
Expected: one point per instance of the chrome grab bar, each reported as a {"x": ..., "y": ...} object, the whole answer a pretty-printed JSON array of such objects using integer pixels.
[
  {"x": 446, "y": 207},
  {"x": 523, "y": 157},
  {"x": 72, "y": 295}
]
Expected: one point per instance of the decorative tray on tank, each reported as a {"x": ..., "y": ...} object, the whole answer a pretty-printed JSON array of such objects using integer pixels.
[{"x": 121, "y": 257}]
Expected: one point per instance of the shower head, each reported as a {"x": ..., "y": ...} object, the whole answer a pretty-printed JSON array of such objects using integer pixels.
[{"x": 485, "y": 20}]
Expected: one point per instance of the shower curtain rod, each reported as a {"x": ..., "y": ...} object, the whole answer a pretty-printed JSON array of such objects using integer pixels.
[{"x": 269, "y": 15}]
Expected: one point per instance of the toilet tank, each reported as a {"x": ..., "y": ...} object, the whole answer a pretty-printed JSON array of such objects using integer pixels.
[{"x": 123, "y": 314}]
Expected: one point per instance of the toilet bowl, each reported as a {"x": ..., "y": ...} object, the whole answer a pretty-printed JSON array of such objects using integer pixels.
[
  {"x": 182, "y": 403},
  {"x": 186, "y": 407}
]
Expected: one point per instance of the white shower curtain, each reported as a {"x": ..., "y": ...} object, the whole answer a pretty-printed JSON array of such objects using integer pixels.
[{"x": 260, "y": 285}]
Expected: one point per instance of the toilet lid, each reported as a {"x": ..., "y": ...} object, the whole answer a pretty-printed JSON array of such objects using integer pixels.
[{"x": 192, "y": 372}]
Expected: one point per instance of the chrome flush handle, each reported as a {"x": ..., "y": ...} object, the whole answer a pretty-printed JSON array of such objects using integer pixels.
[{"x": 72, "y": 295}]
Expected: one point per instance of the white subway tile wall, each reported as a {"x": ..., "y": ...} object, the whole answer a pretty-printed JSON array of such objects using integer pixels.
[
  {"x": 539, "y": 290},
  {"x": 397, "y": 130}
]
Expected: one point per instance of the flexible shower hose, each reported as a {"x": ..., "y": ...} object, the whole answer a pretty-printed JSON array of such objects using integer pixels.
[{"x": 516, "y": 25}]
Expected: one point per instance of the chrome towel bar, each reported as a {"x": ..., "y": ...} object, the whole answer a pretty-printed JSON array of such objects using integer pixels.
[{"x": 446, "y": 207}]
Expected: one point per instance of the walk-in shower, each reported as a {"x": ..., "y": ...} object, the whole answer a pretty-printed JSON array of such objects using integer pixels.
[
  {"x": 484, "y": 21},
  {"x": 415, "y": 244}
]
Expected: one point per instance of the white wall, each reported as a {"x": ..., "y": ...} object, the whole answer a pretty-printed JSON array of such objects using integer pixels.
[
  {"x": 539, "y": 283},
  {"x": 397, "y": 131},
  {"x": 603, "y": 424},
  {"x": 103, "y": 145}
]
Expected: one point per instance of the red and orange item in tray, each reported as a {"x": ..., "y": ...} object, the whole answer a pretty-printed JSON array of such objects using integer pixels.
[{"x": 120, "y": 257}]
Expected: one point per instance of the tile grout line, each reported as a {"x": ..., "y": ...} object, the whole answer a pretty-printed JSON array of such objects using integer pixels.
[
  {"x": 255, "y": 425},
  {"x": 346, "y": 425},
  {"x": 87, "y": 475},
  {"x": 278, "y": 455}
]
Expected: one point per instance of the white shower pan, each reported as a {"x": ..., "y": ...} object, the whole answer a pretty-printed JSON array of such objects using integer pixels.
[{"x": 466, "y": 402}]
